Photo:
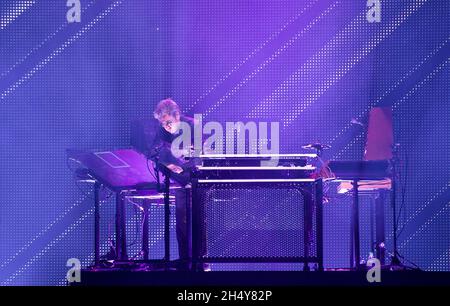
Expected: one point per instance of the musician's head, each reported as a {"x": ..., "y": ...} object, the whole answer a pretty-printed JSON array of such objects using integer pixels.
[{"x": 167, "y": 112}]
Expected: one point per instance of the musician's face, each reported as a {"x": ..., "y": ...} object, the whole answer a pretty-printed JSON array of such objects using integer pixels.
[{"x": 170, "y": 123}]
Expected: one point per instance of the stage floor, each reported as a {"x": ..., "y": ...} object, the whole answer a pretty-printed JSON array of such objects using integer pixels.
[{"x": 259, "y": 278}]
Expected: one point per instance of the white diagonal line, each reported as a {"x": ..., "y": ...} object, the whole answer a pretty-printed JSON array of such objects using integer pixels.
[
  {"x": 430, "y": 200},
  {"x": 391, "y": 88},
  {"x": 443, "y": 258},
  {"x": 355, "y": 140},
  {"x": 427, "y": 223},
  {"x": 419, "y": 85},
  {"x": 251, "y": 55},
  {"x": 42, "y": 232},
  {"x": 58, "y": 51},
  {"x": 379, "y": 37},
  {"x": 20, "y": 61},
  {"x": 271, "y": 58},
  {"x": 47, "y": 247},
  {"x": 313, "y": 62},
  {"x": 14, "y": 12},
  {"x": 396, "y": 104}
]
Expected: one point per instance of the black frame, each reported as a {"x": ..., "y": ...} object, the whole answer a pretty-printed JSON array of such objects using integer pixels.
[{"x": 312, "y": 192}]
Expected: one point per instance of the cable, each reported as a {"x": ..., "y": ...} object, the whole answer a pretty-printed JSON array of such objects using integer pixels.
[
  {"x": 111, "y": 244},
  {"x": 149, "y": 170},
  {"x": 137, "y": 232},
  {"x": 144, "y": 215},
  {"x": 416, "y": 267}
]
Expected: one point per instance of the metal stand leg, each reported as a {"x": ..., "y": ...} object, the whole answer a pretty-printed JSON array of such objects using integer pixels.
[
  {"x": 97, "y": 223},
  {"x": 166, "y": 220},
  {"x": 121, "y": 245},
  {"x": 188, "y": 225},
  {"x": 380, "y": 229},
  {"x": 307, "y": 225},
  {"x": 372, "y": 223},
  {"x": 318, "y": 201},
  {"x": 355, "y": 223},
  {"x": 196, "y": 228},
  {"x": 352, "y": 248},
  {"x": 118, "y": 230},
  {"x": 145, "y": 229}
]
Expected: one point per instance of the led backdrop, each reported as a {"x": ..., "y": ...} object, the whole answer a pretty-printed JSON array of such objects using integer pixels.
[{"x": 312, "y": 65}]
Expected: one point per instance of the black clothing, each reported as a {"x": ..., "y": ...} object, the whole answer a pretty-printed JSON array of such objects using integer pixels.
[{"x": 162, "y": 154}]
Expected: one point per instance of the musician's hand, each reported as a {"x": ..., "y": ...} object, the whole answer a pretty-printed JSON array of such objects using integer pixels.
[
  {"x": 175, "y": 168},
  {"x": 181, "y": 153}
]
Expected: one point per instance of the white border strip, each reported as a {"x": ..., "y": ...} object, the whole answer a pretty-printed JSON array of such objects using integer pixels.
[
  {"x": 259, "y": 181},
  {"x": 311, "y": 155},
  {"x": 258, "y": 168}
]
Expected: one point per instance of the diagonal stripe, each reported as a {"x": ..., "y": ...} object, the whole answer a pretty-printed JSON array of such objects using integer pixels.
[
  {"x": 45, "y": 230},
  {"x": 251, "y": 55},
  {"x": 270, "y": 59},
  {"x": 435, "y": 196},
  {"x": 418, "y": 86},
  {"x": 391, "y": 89},
  {"x": 429, "y": 221},
  {"x": 324, "y": 86},
  {"x": 14, "y": 12},
  {"x": 58, "y": 51},
  {"x": 314, "y": 62},
  {"x": 54, "y": 241},
  {"x": 436, "y": 264},
  {"x": 47, "y": 248},
  {"x": 443, "y": 189},
  {"x": 37, "y": 47},
  {"x": 357, "y": 138},
  {"x": 396, "y": 104}
]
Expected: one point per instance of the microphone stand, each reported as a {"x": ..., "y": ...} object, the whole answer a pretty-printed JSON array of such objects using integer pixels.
[{"x": 396, "y": 263}]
